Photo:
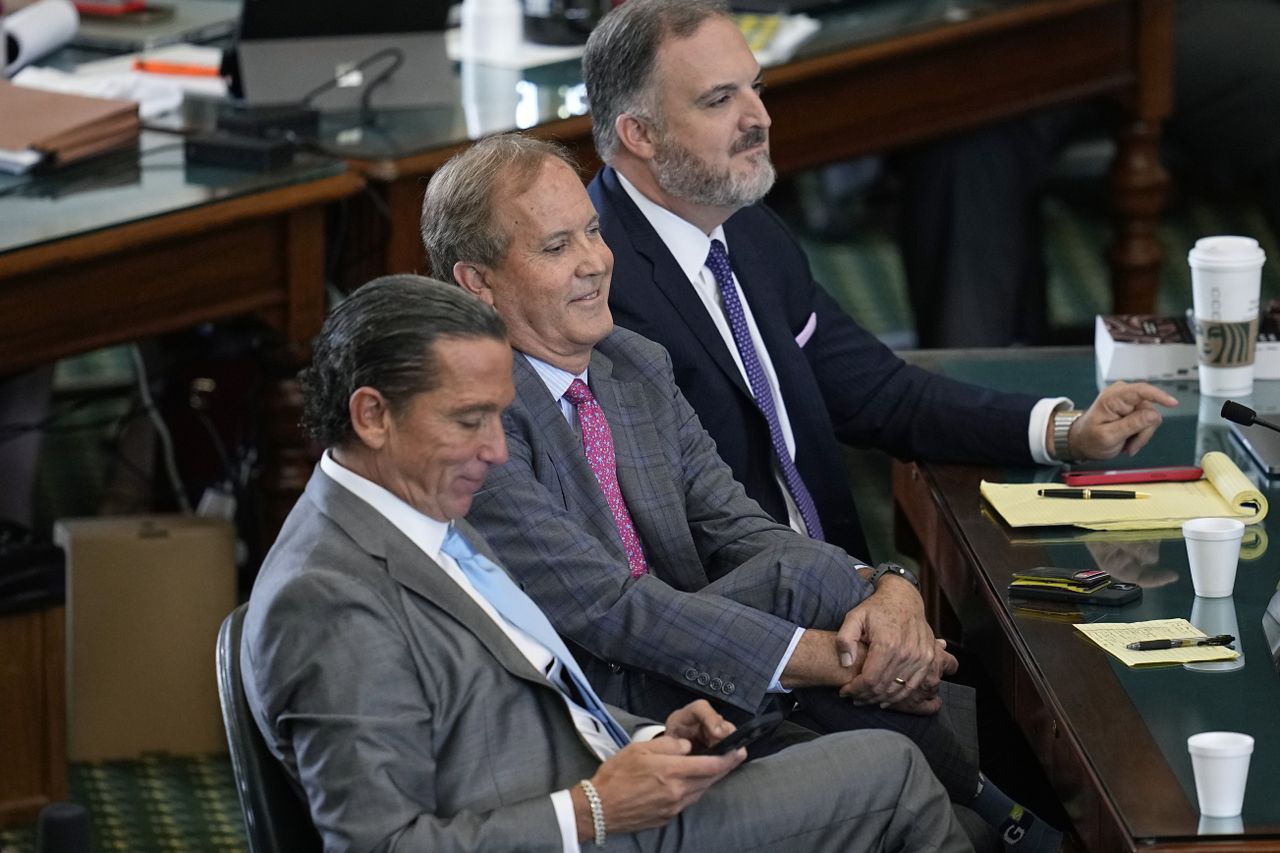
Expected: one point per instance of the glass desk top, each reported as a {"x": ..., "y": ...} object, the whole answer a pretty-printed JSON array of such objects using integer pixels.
[
  {"x": 495, "y": 100},
  {"x": 128, "y": 186},
  {"x": 123, "y": 188},
  {"x": 1173, "y": 702}
]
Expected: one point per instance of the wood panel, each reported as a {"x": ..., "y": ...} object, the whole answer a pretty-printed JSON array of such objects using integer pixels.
[
  {"x": 262, "y": 253},
  {"x": 33, "y": 713}
]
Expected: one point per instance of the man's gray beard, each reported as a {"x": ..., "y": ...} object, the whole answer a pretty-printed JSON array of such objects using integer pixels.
[{"x": 683, "y": 175}]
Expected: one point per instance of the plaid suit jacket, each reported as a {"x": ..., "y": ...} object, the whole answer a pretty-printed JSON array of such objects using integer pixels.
[{"x": 727, "y": 585}]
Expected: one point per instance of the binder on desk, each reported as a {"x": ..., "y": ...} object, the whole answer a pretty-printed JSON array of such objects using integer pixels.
[
  {"x": 1224, "y": 492},
  {"x": 59, "y": 127}
]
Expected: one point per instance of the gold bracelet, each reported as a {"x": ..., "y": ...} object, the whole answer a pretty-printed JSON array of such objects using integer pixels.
[{"x": 597, "y": 810}]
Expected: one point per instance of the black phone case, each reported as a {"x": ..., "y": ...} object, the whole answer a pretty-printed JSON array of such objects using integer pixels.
[
  {"x": 745, "y": 735},
  {"x": 1062, "y": 578},
  {"x": 1113, "y": 594}
]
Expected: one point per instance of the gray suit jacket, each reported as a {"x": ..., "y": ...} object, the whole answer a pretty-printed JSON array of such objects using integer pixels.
[
  {"x": 727, "y": 585},
  {"x": 407, "y": 717}
]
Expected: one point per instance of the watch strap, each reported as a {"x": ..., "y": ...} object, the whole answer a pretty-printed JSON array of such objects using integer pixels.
[
  {"x": 894, "y": 569},
  {"x": 1062, "y": 421}
]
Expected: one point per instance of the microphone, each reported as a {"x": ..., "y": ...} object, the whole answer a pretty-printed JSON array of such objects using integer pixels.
[{"x": 1245, "y": 416}]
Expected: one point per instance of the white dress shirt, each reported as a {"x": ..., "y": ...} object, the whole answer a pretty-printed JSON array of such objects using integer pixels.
[
  {"x": 428, "y": 534},
  {"x": 689, "y": 246}
]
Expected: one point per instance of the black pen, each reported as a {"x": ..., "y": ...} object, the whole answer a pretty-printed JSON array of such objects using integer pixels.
[
  {"x": 1159, "y": 645},
  {"x": 1092, "y": 494}
]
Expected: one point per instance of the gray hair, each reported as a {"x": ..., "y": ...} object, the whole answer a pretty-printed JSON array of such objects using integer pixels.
[
  {"x": 621, "y": 55},
  {"x": 458, "y": 222},
  {"x": 383, "y": 337}
]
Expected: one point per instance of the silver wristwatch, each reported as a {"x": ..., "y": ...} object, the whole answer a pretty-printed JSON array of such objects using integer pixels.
[{"x": 1062, "y": 421}]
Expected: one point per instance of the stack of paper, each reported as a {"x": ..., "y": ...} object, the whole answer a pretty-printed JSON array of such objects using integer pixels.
[
  {"x": 43, "y": 126},
  {"x": 1114, "y": 638},
  {"x": 1225, "y": 492}
]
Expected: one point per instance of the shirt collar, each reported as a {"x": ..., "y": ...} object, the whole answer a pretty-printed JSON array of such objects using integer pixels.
[
  {"x": 556, "y": 379},
  {"x": 426, "y": 532},
  {"x": 686, "y": 242}
]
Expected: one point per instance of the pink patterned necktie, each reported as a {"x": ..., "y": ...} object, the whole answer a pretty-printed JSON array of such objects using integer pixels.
[{"x": 597, "y": 440}]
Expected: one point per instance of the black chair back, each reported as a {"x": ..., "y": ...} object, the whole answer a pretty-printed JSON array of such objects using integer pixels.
[{"x": 276, "y": 819}]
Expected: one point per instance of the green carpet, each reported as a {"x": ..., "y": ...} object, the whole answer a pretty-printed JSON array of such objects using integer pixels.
[{"x": 160, "y": 803}]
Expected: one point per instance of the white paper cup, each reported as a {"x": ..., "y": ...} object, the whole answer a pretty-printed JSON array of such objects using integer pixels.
[
  {"x": 1213, "y": 550},
  {"x": 1226, "y": 277},
  {"x": 1220, "y": 826},
  {"x": 1220, "y": 761},
  {"x": 1216, "y": 616}
]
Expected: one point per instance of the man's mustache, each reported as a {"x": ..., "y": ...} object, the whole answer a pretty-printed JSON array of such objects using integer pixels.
[{"x": 750, "y": 139}]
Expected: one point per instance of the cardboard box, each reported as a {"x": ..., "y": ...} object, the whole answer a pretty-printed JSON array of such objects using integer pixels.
[
  {"x": 1144, "y": 347},
  {"x": 145, "y": 598},
  {"x": 1151, "y": 347}
]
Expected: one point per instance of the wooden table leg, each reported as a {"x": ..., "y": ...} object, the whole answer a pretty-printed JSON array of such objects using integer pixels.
[{"x": 1139, "y": 188}]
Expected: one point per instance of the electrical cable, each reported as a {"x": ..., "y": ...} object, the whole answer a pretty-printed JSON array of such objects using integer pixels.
[
  {"x": 397, "y": 59},
  {"x": 162, "y": 431}
]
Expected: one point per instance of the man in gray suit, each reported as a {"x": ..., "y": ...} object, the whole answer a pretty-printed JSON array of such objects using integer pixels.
[
  {"x": 643, "y": 550},
  {"x": 419, "y": 698}
]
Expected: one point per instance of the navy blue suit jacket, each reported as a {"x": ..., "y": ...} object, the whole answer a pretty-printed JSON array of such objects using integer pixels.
[{"x": 840, "y": 384}]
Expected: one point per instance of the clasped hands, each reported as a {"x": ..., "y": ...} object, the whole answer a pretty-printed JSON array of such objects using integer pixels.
[{"x": 889, "y": 652}]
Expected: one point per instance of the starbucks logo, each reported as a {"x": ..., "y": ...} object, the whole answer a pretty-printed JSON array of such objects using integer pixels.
[{"x": 1226, "y": 344}]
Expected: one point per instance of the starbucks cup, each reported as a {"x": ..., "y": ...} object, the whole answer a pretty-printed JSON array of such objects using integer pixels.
[{"x": 1226, "y": 277}]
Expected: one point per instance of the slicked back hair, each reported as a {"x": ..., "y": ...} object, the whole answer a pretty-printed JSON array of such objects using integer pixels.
[
  {"x": 621, "y": 56},
  {"x": 383, "y": 336},
  {"x": 458, "y": 221}
]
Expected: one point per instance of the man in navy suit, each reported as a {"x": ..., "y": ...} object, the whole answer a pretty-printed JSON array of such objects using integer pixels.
[{"x": 779, "y": 375}]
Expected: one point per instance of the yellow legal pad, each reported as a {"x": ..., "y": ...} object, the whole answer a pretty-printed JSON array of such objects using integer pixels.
[
  {"x": 1114, "y": 636},
  {"x": 1224, "y": 492}
]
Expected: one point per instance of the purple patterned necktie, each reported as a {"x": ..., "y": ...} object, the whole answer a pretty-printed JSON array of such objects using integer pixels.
[
  {"x": 597, "y": 441},
  {"x": 718, "y": 263}
]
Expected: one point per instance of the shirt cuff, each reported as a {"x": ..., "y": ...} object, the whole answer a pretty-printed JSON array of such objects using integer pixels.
[
  {"x": 1039, "y": 426},
  {"x": 646, "y": 733},
  {"x": 563, "y": 804},
  {"x": 775, "y": 685}
]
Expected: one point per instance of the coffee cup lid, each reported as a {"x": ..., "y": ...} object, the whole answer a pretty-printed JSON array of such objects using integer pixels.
[{"x": 1226, "y": 252}]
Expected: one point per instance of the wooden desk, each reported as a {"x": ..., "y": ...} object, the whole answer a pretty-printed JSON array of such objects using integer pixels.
[
  {"x": 851, "y": 98},
  {"x": 1111, "y": 740},
  {"x": 257, "y": 253}
]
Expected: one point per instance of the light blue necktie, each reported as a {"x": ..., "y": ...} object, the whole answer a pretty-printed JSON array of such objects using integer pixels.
[{"x": 501, "y": 591}]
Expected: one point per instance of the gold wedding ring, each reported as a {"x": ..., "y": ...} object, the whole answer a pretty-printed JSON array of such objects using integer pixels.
[{"x": 900, "y": 680}]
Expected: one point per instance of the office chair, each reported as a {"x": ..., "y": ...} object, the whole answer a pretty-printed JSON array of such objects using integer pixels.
[{"x": 275, "y": 817}]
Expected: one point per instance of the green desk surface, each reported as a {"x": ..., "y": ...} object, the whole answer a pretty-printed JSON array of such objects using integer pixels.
[{"x": 1174, "y": 702}]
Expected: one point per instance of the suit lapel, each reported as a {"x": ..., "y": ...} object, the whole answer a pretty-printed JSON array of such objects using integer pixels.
[
  {"x": 669, "y": 280},
  {"x": 565, "y": 457},
  {"x": 411, "y": 568},
  {"x": 746, "y": 255}
]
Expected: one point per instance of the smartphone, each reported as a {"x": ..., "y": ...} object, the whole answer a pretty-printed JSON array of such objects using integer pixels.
[
  {"x": 1176, "y": 473},
  {"x": 1113, "y": 594},
  {"x": 744, "y": 735}
]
